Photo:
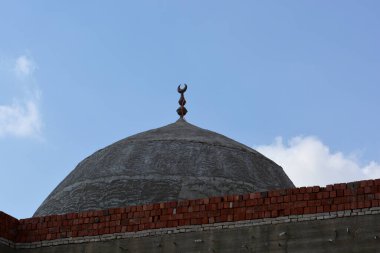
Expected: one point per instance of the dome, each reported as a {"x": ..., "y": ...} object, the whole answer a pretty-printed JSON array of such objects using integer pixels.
[{"x": 175, "y": 162}]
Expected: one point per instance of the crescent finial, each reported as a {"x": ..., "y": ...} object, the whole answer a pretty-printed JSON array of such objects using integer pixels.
[
  {"x": 182, "y": 101},
  {"x": 182, "y": 90}
]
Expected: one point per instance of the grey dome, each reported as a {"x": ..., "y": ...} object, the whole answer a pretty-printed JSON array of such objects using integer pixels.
[{"x": 175, "y": 162}]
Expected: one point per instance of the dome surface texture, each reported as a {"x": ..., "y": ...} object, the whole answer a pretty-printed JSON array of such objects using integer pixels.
[{"x": 175, "y": 162}]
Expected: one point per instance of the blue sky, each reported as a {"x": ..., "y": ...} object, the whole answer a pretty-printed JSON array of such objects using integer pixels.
[{"x": 297, "y": 80}]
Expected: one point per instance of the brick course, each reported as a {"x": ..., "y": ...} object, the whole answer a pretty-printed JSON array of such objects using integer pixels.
[{"x": 232, "y": 208}]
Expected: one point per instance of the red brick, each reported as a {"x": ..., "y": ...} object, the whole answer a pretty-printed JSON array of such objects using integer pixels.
[
  {"x": 161, "y": 224},
  {"x": 320, "y": 209},
  {"x": 297, "y": 211},
  {"x": 222, "y": 218},
  {"x": 294, "y": 191},
  {"x": 334, "y": 208},
  {"x": 274, "y": 193},
  {"x": 363, "y": 183},
  {"x": 184, "y": 203},
  {"x": 309, "y": 210},
  {"x": 250, "y": 202},
  {"x": 215, "y": 200},
  {"x": 348, "y": 192},
  {"x": 300, "y": 204},
  {"x": 255, "y": 195},
  {"x": 147, "y": 207},
  {"x": 184, "y": 222},
  {"x": 195, "y": 221},
  {"x": 195, "y": 215},
  {"x": 245, "y": 196},
  {"x": 326, "y": 208},
  {"x": 341, "y": 207},
  {"x": 354, "y": 205},
  {"x": 340, "y": 186},
  {"x": 113, "y": 217},
  {"x": 367, "y": 189},
  {"x": 173, "y": 223},
  {"x": 230, "y": 198}
]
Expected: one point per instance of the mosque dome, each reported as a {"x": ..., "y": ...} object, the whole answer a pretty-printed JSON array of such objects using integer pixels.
[{"x": 175, "y": 162}]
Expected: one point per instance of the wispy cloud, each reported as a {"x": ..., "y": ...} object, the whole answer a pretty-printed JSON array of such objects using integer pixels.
[
  {"x": 22, "y": 118},
  {"x": 24, "y": 66},
  {"x": 308, "y": 161}
]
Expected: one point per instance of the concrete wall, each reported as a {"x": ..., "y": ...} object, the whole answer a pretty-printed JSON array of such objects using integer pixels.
[
  {"x": 346, "y": 234},
  {"x": 6, "y": 249}
]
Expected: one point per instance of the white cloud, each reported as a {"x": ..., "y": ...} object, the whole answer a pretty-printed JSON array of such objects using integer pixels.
[
  {"x": 22, "y": 118},
  {"x": 24, "y": 66},
  {"x": 308, "y": 161}
]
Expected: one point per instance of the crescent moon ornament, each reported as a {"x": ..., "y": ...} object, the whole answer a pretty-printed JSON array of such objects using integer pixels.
[
  {"x": 182, "y": 90},
  {"x": 182, "y": 101}
]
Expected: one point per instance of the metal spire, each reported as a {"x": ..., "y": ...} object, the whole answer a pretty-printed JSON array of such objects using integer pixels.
[{"x": 182, "y": 101}]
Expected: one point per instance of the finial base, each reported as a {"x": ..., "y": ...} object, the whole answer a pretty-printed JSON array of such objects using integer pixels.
[{"x": 181, "y": 111}]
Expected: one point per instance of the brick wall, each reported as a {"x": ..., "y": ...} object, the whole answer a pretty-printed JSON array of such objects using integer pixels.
[
  {"x": 8, "y": 226},
  {"x": 296, "y": 201}
]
